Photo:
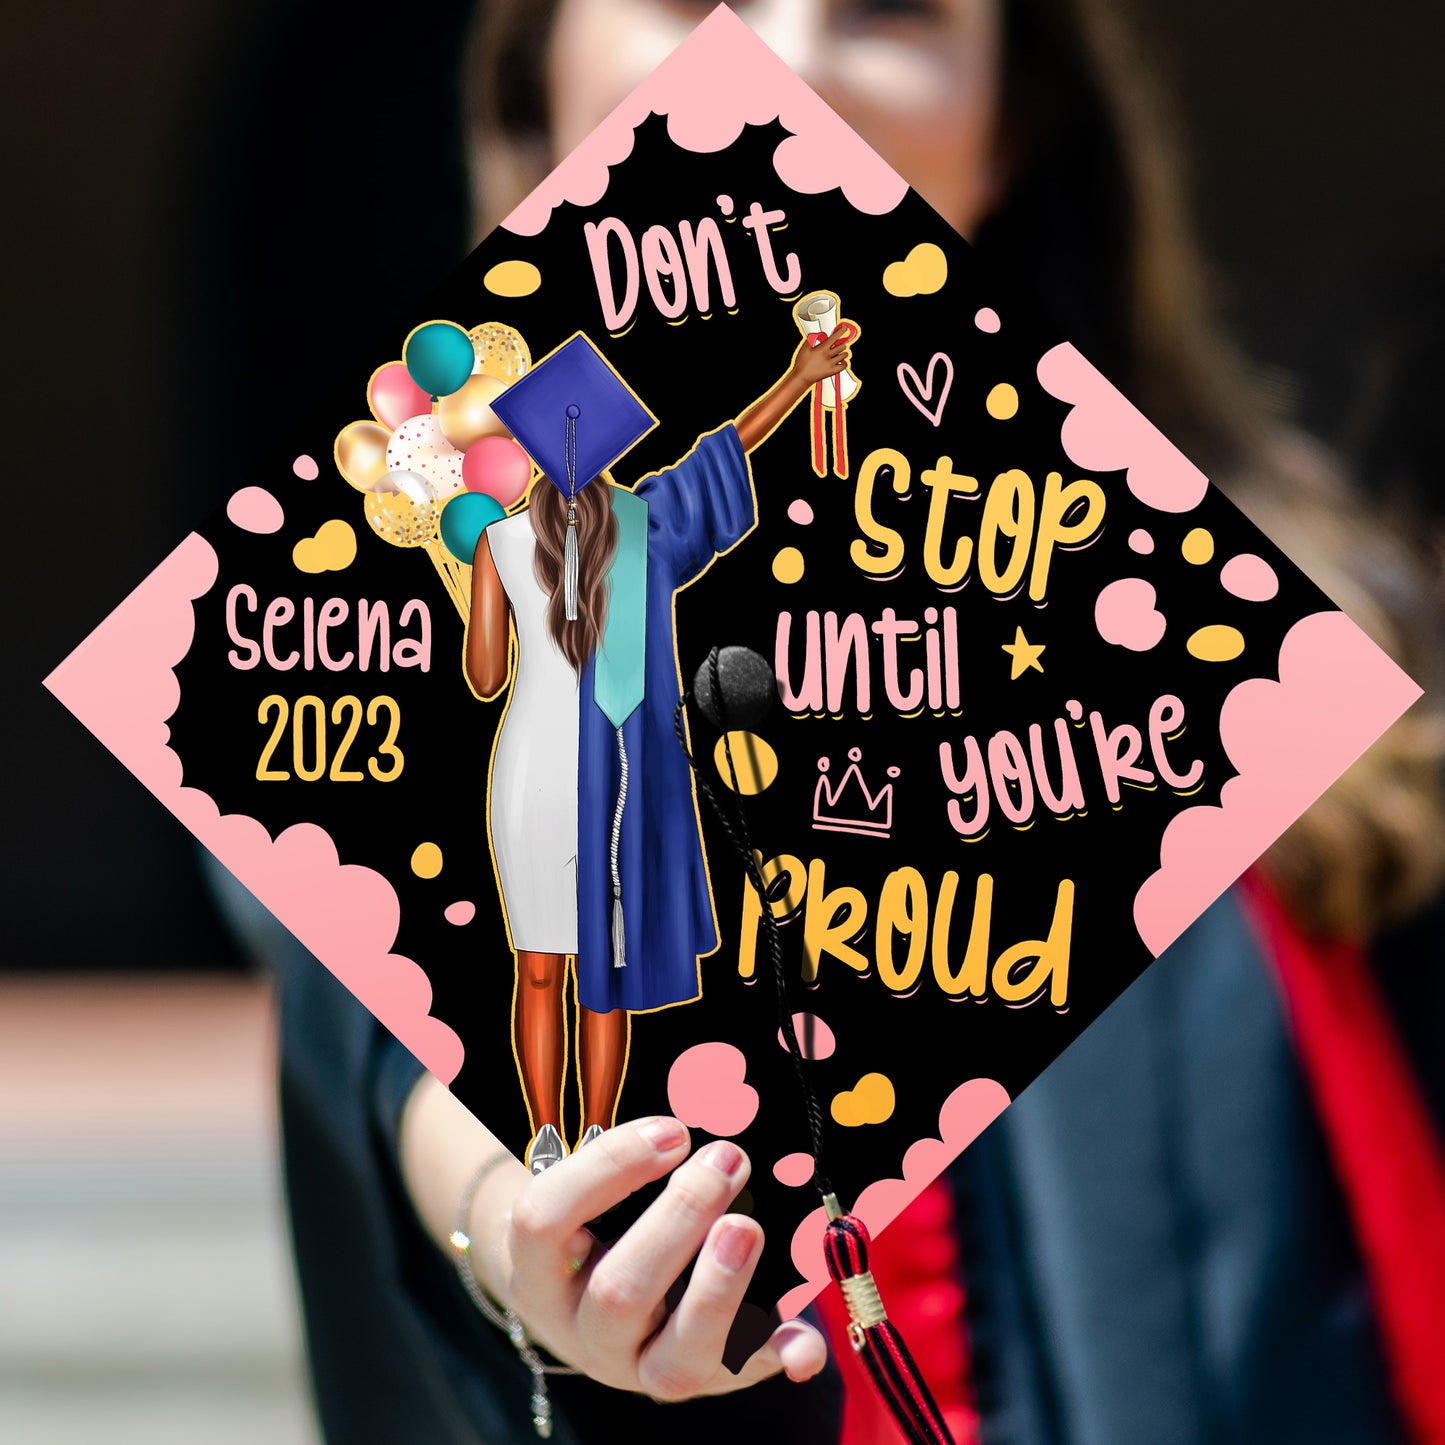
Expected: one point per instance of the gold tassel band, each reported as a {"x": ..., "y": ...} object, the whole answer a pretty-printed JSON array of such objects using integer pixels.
[{"x": 865, "y": 1306}]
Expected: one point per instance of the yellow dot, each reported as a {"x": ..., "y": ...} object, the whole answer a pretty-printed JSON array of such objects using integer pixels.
[
  {"x": 1216, "y": 644},
  {"x": 788, "y": 565},
  {"x": 426, "y": 862},
  {"x": 756, "y": 763},
  {"x": 1198, "y": 547},
  {"x": 1003, "y": 402},
  {"x": 870, "y": 1101},
  {"x": 512, "y": 278},
  {"x": 922, "y": 272}
]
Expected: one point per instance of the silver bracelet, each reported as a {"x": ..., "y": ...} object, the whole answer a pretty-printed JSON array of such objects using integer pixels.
[{"x": 506, "y": 1318}]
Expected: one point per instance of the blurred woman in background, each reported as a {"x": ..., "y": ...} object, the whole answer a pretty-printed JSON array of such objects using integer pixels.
[{"x": 1181, "y": 1232}]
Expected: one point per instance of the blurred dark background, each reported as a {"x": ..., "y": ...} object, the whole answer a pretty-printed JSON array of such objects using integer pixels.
[{"x": 199, "y": 243}]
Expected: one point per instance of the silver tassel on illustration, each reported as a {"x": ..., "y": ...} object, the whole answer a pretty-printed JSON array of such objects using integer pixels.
[
  {"x": 569, "y": 565},
  {"x": 619, "y": 944},
  {"x": 569, "y": 552}
]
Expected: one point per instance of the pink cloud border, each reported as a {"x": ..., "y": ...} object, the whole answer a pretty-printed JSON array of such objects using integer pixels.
[
  {"x": 120, "y": 682},
  {"x": 1105, "y": 432},
  {"x": 1289, "y": 740},
  {"x": 965, "y": 1114},
  {"x": 720, "y": 79}
]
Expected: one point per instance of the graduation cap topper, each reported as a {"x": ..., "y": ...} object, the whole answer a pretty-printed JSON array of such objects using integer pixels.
[
  {"x": 1042, "y": 692},
  {"x": 574, "y": 417}
]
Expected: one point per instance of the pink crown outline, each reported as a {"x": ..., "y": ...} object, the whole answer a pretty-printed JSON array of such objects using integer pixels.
[{"x": 850, "y": 807}]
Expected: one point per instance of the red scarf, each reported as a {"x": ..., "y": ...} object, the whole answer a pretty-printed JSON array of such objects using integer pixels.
[{"x": 1385, "y": 1152}]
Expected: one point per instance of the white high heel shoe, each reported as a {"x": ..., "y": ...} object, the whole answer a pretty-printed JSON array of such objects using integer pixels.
[{"x": 546, "y": 1150}]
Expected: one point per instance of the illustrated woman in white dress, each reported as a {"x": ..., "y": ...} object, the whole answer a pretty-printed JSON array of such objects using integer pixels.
[{"x": 692, "y": 512}]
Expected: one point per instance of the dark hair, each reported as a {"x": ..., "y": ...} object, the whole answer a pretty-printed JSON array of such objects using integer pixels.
[
  {"x": 1093, "y": 216},
  {"x": 596, "y": 542}
]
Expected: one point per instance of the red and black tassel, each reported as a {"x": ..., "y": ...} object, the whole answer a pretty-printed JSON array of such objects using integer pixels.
[
  {"x": 846, "y": 1240},
  {"x": 874, "y": 1337}
]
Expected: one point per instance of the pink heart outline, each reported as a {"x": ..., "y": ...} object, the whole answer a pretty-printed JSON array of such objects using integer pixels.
[{"x": 921, "y": 391}]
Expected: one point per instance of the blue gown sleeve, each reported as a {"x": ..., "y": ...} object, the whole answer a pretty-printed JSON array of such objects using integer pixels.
[{"x": 701, "y": 506}]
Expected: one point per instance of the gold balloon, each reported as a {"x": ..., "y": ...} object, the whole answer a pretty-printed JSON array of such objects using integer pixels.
[
  {"x": 361, "y": 453},
  {"x": 395, "y": 518},
  {"x": 467, "y": 414},
  {"x": 500, "y": 350}
]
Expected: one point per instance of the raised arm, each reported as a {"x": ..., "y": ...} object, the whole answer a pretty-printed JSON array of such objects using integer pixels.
[
  {"x": 488, "y": 631},
  {"x": 811, "y": 364}
]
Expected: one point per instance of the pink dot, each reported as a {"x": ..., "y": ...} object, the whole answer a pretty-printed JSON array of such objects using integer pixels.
[
  {"x": 815, "y": 1038},
  {"x": 1140, "y": 541},
  {"x": 254, "y": 509},
  {"x": 306, "y": 468},
  {"x": 794, "y": 1170},
  {"x": 707, "y": 1089},
  {"x": 725, "y": 204},
  {"x": 1126, "y": 616},
  {"x": 1249, "y": 577},
  {"x": 461, "y": 912},
  {"x": 986, "y": 319},
  {"x": 800, "y": 512}
]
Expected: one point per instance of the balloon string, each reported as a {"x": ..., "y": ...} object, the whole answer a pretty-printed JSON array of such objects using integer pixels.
[{"x": 737, "y": 835}]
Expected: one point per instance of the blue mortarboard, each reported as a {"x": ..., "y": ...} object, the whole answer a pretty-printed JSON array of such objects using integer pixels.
[{"x": 573, "y": 402}]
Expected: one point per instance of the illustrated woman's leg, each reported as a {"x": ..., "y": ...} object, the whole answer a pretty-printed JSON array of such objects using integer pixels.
[
  {"x": 601, "y": 1060},
  {"x": 538, "y": 1032}
]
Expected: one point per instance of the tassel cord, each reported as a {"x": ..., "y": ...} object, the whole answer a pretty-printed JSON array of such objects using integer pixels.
[
  {"x": 737, "y": 834},
  {"x": 619, "y": 944},
  {"x": 569, "y": 551},
  {"x": 874, "y": 1337}
]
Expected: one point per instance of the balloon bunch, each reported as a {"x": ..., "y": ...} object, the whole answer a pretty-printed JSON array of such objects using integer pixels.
[{"x": 436, "y": 464}]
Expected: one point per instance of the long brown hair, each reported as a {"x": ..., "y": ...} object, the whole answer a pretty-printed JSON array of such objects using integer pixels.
[
  {"x": 1094, "y": 217},
  {"x": 596, "y": 542}
]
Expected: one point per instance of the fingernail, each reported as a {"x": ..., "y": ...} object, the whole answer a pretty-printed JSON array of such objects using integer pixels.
[
  {"x": 796, "y": 1353},
  {"x": 734, "y": 1246},
  {"x": 663, "y": 1134},
  {"x": 723, "y": 1157}
]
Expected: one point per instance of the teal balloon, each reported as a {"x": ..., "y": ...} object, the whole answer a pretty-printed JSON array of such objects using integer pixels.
[
  {"x": 464, "y": 519},
  {"x": 439, "y": 357}
]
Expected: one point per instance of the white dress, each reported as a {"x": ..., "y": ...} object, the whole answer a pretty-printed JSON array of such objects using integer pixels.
[{"x": 533, "y": 804}]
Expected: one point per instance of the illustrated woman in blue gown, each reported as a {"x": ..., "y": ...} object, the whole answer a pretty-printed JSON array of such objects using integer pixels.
[{"x": 591, "y": 811}]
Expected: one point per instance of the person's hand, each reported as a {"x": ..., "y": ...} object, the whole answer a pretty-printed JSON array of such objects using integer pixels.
[
  {"x": 601, "y": 1310},
  {"x": 812, "y": 364}
]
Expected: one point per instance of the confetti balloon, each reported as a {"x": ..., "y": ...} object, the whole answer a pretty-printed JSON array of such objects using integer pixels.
[
  {"x": 393, "y": 396},
  {"x": 397, "y": 519},
  {"x": 467, "y": 415},
  {"x": 420, "y": 446},
  {"x": 500, "y": 351},
  {"x": 361, "y": 453},
  {"x": 439, "y": 357},
  {"x": 497, "y": 467},
  {"x": 464, "y": 519},
  {"x": 414, "y": 488}
]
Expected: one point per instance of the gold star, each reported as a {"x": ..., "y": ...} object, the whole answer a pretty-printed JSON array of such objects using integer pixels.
[{"x": 1025, "y": 655}]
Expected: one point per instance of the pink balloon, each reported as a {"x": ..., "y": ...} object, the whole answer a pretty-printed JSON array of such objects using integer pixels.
[
  {"x": 497, "y": 467},
  {"x": 394, "y": 397}
]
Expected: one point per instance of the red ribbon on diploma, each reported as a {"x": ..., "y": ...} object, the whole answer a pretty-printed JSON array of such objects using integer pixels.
[{"x": 840, "y": 423}]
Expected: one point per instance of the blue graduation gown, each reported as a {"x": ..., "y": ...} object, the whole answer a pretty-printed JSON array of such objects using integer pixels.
[{"x": 696, "y": 509}]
